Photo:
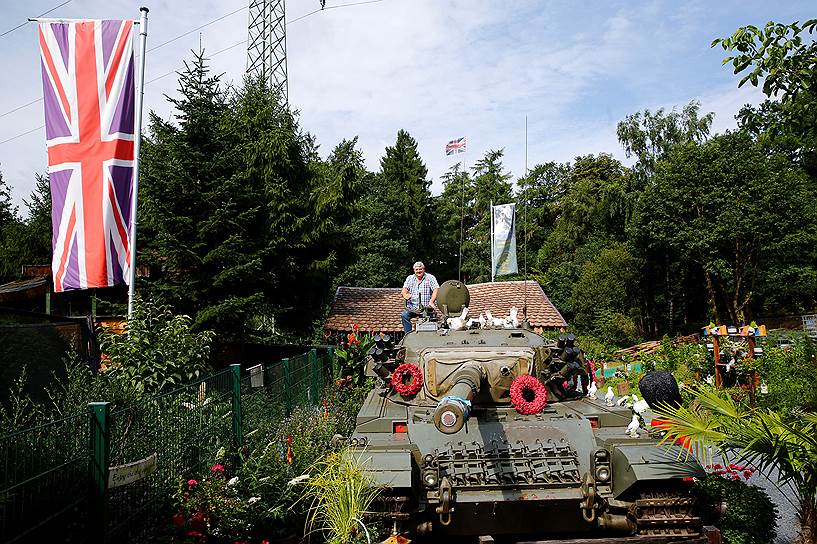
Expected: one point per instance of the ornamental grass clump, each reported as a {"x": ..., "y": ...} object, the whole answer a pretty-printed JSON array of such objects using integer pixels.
[{"x": 339, "y": 494}]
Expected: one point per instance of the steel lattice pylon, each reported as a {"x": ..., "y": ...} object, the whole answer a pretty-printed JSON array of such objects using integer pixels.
[{"x": 267, "y": 44}]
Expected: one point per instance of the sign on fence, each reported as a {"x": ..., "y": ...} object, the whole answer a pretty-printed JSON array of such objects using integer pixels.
[{"x": 131, "y": 472}]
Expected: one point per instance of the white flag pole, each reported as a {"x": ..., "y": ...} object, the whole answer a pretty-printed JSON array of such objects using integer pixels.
[
  {"x": 137, "y": 145},
  {"x": 493, "y": 267}
]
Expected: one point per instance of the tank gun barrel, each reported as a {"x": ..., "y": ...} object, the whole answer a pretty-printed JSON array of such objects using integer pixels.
[{"x": 454, "y": 409}]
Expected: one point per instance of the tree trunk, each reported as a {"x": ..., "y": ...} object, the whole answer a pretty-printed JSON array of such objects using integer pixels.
[
  {"x": 807, "y": 513},
  {"x": 713, "y": 299}
]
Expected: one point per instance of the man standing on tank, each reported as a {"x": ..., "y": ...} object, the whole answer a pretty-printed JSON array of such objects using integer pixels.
[{"x": 419, "y": 290}]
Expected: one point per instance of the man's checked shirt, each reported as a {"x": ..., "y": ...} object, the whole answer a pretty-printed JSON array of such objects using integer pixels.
[{"x": 420, "y": 290}]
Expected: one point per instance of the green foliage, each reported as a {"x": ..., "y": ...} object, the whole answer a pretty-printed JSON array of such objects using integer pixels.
[
  {"x": 650, "y": 136},
  {"x": 777, "y": 54},
  {"x": 744, "y": 212},
  {"x": 603, "y": 295},
  {"x": 393, "y": 226},
  {"x": 159, "y": 351},
  {"x": 352, "y": 357},
  {"x": 244, "y": 225},
  {"x": 790, "y": 376},
  {"x": 750, "y": 516}
]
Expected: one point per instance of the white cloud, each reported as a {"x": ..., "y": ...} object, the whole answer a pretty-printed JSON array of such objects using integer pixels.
[{"x": 438, "y": 69}]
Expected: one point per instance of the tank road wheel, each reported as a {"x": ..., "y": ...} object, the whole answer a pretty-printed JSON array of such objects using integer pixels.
[{"x": 658, "y": 513}]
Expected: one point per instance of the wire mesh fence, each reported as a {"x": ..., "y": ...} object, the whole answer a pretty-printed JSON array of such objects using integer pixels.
[
  {"x": 178, "y": 433},
  {"x": 108, "y": 474},
  {"x": 43, "y": 481}
]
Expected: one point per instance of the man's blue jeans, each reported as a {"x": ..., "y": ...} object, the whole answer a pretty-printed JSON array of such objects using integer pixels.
[{"x": 407, "y": 315}]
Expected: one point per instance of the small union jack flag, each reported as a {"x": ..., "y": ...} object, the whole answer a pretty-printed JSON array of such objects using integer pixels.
[
  {"x": 455, "y": 146},
  {"x": 88, "y": 92}
]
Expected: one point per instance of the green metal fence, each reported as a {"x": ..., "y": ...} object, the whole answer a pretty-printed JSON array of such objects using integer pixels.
[
  {"x": 180, "y": 432},
  {"x": 43, "y": 480},
  {"x": 105, "y": 474}
]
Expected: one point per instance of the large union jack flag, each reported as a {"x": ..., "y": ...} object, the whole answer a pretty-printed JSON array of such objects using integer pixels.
[
  {"x": 88, "y": 91},
  {"x": 455, "y": 146}
]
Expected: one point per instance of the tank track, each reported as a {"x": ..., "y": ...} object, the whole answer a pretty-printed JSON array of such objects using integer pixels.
[{"x": 658, "y": 513}]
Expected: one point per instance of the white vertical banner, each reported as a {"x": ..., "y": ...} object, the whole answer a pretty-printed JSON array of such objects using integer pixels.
[{"x": 503, "y": 240}]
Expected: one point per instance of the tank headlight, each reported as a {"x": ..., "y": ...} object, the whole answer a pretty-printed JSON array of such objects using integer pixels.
[
  {"x": 602, "y": 474},
  {"x": 430, "y": 479}
]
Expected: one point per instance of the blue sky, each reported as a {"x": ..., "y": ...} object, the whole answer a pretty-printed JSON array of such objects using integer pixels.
[{"x": 438, "y": 69}]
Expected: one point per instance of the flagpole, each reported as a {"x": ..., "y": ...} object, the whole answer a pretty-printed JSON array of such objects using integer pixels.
[
  {"x": 492, "y": 242},
  {"x": 137, "y": 145}
]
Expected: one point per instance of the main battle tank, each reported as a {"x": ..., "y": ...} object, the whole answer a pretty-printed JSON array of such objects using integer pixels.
[{"x": 455, "y": 457}]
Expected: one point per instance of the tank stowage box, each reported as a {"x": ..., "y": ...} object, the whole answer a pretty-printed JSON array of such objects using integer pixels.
[{"x": 457, "y": 456}]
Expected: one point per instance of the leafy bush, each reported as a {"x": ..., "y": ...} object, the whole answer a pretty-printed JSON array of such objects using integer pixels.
[
  {"x": 750, "y": 516},
  {"x": 615, "y": 328},
  {"x": 789, "y": 375},
  {"x": 159, "y": 351}
]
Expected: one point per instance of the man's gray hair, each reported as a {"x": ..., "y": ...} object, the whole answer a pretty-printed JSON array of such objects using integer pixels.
[{"x": 418, "y": 263}]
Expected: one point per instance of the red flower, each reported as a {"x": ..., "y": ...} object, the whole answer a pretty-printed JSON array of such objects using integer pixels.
[
  {"x": 355, "y": 327},
  {"x": 178, "y": 519},
  {"x": 407, "y": 379},
  {"x": 736, "y": 477},
  {"x": 192, "y": 483},
  {"x": 747, "y": 474},
  {"x": 218, "y": 468},
  {"x": 198, "y": 523},
  {"x": 528, "y": 395}
]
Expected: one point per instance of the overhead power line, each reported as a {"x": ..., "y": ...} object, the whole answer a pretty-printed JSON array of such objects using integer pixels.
[
  {"x": 195, "y": 29},
  {"x": 18, "y": 108},
  {"x": 24, "y": 23}
]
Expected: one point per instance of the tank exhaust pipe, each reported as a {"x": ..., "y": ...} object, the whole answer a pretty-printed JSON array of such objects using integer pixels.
[{"x": 454, "y": 409}]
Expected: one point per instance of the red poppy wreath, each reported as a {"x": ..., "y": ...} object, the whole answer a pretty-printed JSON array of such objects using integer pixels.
[
  {"x": 528, "y": 395},
  {"x": 407, "y": 379}
]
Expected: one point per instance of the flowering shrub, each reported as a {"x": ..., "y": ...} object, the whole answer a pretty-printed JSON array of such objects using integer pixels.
[
  {"x": 750, "y": 516},
  {"x": 731, "y": 471},
  {"x": 352, "y": 355},
  {"x": 214, "y": 509}
]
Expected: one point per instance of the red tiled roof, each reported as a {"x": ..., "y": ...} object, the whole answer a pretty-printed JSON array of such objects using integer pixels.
[{"x": 378, "y": 309}]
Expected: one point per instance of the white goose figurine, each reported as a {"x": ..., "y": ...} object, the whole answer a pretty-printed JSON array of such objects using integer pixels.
[
  {"x": 622, "y": 401},
  {"x": 458, "y": 323},
  {"x": 591, "y": 393},
  {"x": 632, "y": 428},
  {"x": 482, "y": 321},
  {"x": 608, "y": 398},
  {"x": 640, "y": 406},
  {"x": 511, "y": 321}
]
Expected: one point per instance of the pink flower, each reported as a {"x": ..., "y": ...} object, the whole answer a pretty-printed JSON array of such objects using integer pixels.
[
  {"x": 218, "y": 468},
  {"x": 192, "y": 483}
]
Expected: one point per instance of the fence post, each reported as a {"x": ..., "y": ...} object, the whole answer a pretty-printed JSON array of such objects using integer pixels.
[
  {"x": 98, "y": 466},
  {"x": 238, "y": 431},
  {"x": 287, "y": 386},
  {"x": 333, "y": 362},
  {"x": 314, "y": 375}
]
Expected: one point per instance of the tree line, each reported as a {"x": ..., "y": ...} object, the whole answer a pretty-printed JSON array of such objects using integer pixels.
[{"x": 248, "y": 230}]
